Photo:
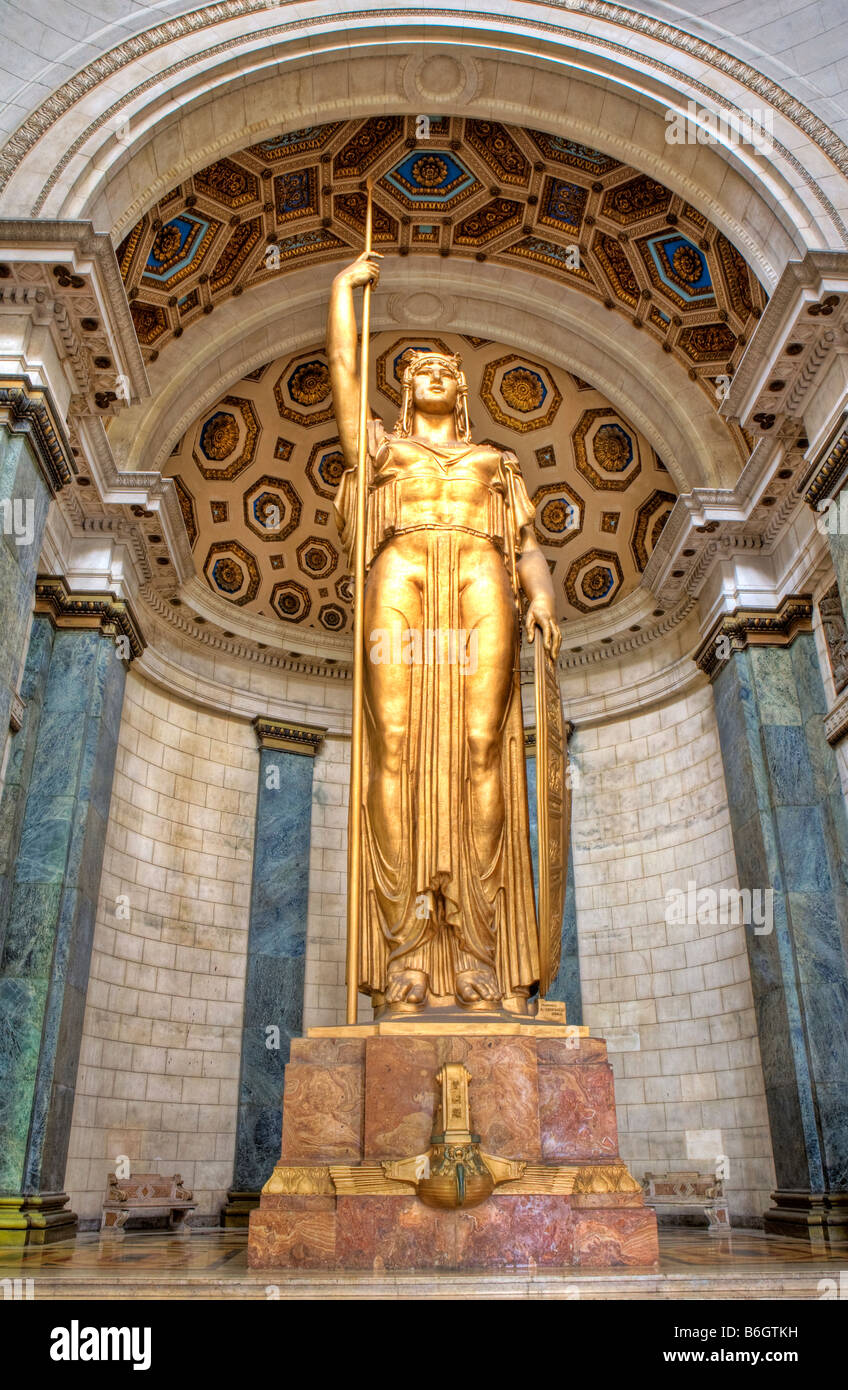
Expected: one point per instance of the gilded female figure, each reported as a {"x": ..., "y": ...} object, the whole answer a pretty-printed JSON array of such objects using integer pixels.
[{"x": 448, "y": 912}]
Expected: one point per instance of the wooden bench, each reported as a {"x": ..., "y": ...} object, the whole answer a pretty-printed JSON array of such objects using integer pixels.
[
  {"x": 146, "y": 1195},
  {"x": 701, "y": 1190}
]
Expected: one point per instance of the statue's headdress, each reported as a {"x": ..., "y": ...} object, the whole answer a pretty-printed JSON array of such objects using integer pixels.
[{"x": 413, "y": 360}]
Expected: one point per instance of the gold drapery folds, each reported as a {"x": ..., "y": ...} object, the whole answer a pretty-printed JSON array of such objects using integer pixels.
[{"x": 447, "y": 883}]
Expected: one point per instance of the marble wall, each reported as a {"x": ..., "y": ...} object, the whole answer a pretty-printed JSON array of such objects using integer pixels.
[
  {"x": 159, "y": 1066},
  {"x": 838, "y": 546}
]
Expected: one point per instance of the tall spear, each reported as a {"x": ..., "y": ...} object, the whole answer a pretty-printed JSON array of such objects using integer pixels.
[{"x": 354, "y": 832}]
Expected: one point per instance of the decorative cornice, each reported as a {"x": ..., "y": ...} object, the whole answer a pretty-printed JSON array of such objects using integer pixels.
[
  {"x": 836, "y": 720},
  {"x": 596, "y": 652},
  {"x": 111, "y": 616},
  {"x": 221, "y": 691},
  {"x": 831, "y": 472},
  {"x": 708, "y": 525},
  {"x": 801, "y": 281},
  {"x": 75, "y": 241},
  {"x": 243, "y": 649},
  {"x": 27, "y": 409},
  {"x": 789, "y": 506},
  {"x": 138, "y": 46},
  {"x": 288, "y": 738},
  {"x": 746, "y": 627},
  {"x": 727, "y": 544}
]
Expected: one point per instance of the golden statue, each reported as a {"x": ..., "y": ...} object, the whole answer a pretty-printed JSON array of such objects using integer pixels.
[{"x": 446, "y": 904}]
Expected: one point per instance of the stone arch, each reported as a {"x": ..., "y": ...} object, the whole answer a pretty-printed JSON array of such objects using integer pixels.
[{"x": 194, "y": 91}]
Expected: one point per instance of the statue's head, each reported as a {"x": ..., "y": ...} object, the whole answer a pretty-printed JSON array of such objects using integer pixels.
[{"x": 434, "y": 384}]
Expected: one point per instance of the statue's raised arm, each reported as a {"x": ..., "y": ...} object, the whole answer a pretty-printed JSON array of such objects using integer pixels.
[{"x": 342, "y": 349}]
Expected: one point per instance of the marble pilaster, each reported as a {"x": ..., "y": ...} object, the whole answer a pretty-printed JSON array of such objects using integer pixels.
[
  {"x": 51, "y": 908},
  {"x": 276, "y": 952},
  {"x": 790, "y": 835}
]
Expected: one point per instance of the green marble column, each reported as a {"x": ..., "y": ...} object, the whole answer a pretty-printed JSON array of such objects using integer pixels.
[
  {"x": 34, "y": 465},
  {"x": 790, "y": 835},
  {"x": 276, "y": 952},
  {"x": 58, "y": 803}
]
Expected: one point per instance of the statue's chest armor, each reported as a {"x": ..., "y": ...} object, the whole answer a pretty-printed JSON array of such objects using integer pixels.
[
  {"x": 438, "y": 472},
  {"x": 416, "y": 487}
]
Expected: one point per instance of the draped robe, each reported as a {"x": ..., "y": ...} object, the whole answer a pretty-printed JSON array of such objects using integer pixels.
[{"x": 435, "y": 907}]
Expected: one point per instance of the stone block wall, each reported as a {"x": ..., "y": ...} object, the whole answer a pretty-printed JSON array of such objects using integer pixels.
[{"x": 159, "y": 1066}]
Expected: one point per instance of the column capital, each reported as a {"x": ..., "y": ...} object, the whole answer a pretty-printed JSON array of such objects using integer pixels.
[
  {"x": 27, "y": 409},
  {"x": 831, "y": 469},
  {"x": 112, "y": 616},
  {"x": 794, "y": 366},
  {"x": 758, "y": 627},
  {"x": 288, "y": 738}
]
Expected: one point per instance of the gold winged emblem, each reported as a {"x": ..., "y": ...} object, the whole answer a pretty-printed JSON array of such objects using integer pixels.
[{"x": 553, "y": 803}]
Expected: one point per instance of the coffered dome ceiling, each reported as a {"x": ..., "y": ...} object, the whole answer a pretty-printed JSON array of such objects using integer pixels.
[
  {"x": 257, "y": 473},
  {"x": 471, "y": 188}
]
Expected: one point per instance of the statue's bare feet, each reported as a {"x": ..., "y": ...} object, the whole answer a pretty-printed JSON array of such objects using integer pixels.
[
  {"x": 474, "y": 986},
  {"x": 406, "y": 987}
]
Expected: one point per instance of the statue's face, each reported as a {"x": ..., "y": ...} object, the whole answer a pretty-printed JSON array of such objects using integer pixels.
[{"x": 434, "y": 388}]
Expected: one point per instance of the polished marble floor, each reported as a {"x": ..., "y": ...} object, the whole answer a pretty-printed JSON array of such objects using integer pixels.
[{"x": 213, "y": 1265}]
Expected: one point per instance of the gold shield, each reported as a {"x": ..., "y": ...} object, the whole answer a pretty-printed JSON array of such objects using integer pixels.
[{"x": 553, "y": 804}]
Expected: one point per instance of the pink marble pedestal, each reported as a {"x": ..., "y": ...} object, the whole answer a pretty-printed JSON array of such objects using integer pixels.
[{"x": 351, "y": 1102}]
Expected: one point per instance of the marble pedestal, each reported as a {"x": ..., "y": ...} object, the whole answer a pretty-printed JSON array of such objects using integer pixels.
[{"x": 352, "y": 1102}]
